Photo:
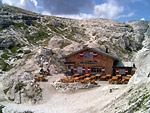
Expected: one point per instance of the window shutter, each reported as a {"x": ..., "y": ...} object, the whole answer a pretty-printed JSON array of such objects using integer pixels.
[
  {"x": 126, "y": 71},
  {"x": 75, "y": 69},
  {"x": 103, "y": 70},
  {"x": 89, "y": 69},
  {"x": 94, "y": 54},
  {"x": 83, "y": 69},
  {"x": 117, "y": 71},
  {"x": 81, "y": 54}
]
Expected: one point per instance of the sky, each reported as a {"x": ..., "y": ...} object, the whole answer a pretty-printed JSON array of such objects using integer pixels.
[{"x": 120, "y": 10}]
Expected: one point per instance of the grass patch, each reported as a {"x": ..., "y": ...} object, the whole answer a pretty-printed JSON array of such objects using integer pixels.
[
  {"x": 5, "y": 66},
  {"x": 34, "y": 23},
  {"x": 6, "y": 90},
  {"x": 30, "y": 55},
  {"x": 1, "y": 28},
  {"x": 63, "y": 44},
  {"x": 34, "y": 39},
  {"x": 20, "y": 25},
  {"x": 10, "y": 99},
  {"x": 5, "y": 56},
  {"x": 5, "y": 51},
  {"x": 70, "y": 37},
  {"x": 14, "y": 48}
]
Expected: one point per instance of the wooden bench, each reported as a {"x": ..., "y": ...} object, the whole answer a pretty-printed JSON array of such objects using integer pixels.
[
  {"x": 92, "y": 81},
  {"x": 125, "y": 79},
  {"x": 108, "y": 76},
  {"x": 76, "y": 79},
  {"x": 87, "y": 79},
  {"x": 37, "y": 78},
  {"x": 70, "y": 81},
  {"x": 82, "y": 81},
  {"x": 114, "y": 79},
  {"x": 98, "y": 76},
  {"x": 110, "y": 81},
  {"x": 103, "y": 77}
]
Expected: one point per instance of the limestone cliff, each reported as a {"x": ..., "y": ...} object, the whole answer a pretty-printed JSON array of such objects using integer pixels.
[{"x": 29, "y": 41}]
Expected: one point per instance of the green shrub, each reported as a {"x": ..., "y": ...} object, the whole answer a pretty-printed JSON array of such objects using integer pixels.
[
  {"x": 94, "y": 33},
  {"x": 18, "y": 57},
  {"x": 63, "y": 44},
  {"x": 19, "y": 25},
  {"x": 27, "y": 112},
  {"x": 5, "y": 66},
  {"x": 30, "y": 55},
  {"x": 34, "y": 23},
  {"x": 5, "y": 56},
  {"x": 5, "y": 51},
  {"x": 1, "y": 29},
  {"x": 14, "y": 48},
  {"x": 34, "y": 39},
  {"x": 1, "y": 107}
]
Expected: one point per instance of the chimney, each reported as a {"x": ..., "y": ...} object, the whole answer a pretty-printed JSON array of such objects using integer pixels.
[
  {"x": 85, "y": 46},
  {"x": 106, "y": 50}
]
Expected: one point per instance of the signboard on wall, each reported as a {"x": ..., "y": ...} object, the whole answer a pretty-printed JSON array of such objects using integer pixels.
[{"x": 88, "y": 62}]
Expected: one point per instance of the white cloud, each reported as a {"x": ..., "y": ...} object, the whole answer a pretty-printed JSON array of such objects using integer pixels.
[
  {"x": 142, "y": 19},
  {"x": 77, "y": 16},
  {"x": 25, "y": 4},
  {"x": 123, "y": 16},
  {"x": 21, "y": 2},
  {"x": 46, "y": 13},
  {"x": 110, "y": 10},
  {"x": 35, "y": 2}
]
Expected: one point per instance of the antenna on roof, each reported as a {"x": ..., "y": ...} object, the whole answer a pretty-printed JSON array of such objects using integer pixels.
[{"x": 85, "y": 46}]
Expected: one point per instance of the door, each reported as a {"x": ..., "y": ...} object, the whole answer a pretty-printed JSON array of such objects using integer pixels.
[{"x": 79, "y": 70}]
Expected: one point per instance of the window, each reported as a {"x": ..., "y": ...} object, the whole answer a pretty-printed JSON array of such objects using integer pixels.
[
  {"x": 85, "y": 54},
  {"x": 93, "y": 70},
  {"x": 121, "y": 71},
  {"x": 96, "y": 69},
  {"x": 91, "y": 54},
  {"x": 79, "y": 69},
  {"x": 99, "y": 70}
]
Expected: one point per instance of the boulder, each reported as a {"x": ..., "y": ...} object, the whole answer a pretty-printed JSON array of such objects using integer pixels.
[
  {"x": 5, "y": 23},
  {"x": 6, "y": 42},
  {"x": 26, "y": 51},
  {"x": 22, "y": 85}
]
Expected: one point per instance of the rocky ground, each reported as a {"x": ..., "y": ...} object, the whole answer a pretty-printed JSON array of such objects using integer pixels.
[
  {"x": 30, "y": 41},
  {"x": 75, "y": 101}
]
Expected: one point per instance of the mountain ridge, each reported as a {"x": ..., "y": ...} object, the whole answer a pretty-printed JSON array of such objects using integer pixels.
[{"x": 26, "y": 38}]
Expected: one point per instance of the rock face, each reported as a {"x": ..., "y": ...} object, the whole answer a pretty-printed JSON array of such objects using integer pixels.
[
  {"x": 142, "y": 57},
  {"x": 134, "y": 100},
  {"x": 22, "y": 88},
  {"x": 29, "y": 41},
  {"x": 72, "y": 86}
]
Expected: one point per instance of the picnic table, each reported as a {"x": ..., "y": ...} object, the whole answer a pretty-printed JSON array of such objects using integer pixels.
[
  {"x": 40, "y": 78},
  {"x": 108, "y": 75},
  {"x": 97, "y": 76}
]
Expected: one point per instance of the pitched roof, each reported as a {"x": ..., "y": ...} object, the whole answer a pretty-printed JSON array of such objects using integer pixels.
[
  {"x": 124, "y": 64},
  {"x": 95, "y": 50}
]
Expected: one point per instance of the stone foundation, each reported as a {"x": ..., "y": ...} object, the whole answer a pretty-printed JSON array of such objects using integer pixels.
[{"x": 72, "y": 86}]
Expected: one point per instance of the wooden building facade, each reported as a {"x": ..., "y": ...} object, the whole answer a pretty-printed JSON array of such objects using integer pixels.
[{"x": 92, "y": 61}]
